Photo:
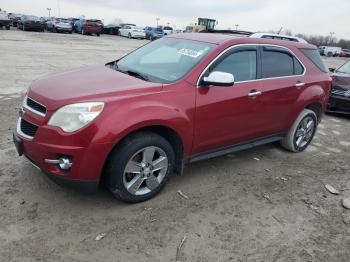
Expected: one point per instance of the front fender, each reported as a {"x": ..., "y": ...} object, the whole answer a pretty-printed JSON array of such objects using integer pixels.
[{"x": 121, "y": 119}]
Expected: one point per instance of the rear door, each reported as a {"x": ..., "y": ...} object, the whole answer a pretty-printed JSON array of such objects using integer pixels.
[
  {"x": 230, "y": 115},
  {"x": 283, "y": 81}
]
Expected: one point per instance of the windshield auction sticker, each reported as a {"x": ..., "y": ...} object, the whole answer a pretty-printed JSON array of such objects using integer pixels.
[{"x": 189, "y": 52}]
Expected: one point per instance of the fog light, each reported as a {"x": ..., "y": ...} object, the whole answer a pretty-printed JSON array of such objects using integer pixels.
[{"x": 64, "y": 163}]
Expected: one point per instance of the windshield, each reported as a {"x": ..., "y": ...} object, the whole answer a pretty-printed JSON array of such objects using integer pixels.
[
  {"x": 345, "y": 69},
  {"x": 31, "y": 17},
  {"x": 165, "y": 60}
]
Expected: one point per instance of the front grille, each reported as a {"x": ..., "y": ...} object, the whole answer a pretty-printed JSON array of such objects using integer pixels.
[
  {"x": 35, "y": 106},
  {"x": 338, "y": 92},
  {"x": 27, "y": 128}
]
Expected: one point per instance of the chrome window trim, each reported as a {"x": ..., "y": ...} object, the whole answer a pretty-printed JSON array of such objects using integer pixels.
[
  {"x": 25, "y": 105},
  {"x": 19, "y": 131},
  {"x": 261, "y": 79}
]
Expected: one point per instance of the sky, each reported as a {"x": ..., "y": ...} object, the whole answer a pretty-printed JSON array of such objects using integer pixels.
[{"x": 314, "y": 17}]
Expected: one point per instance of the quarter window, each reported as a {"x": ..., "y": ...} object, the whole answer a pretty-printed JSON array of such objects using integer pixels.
[
  {"x": 298, "y": 68},
  {"x": 241, "y": 64}
]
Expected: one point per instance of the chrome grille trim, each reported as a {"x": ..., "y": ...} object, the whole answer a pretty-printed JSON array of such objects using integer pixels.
[
  {"x": 19, "y": 130},
  {"x": 340, "y": 92},
  {"x": 26, "y": 106}
]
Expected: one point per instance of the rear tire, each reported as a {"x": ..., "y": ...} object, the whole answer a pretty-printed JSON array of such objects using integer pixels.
[
  {"x": 129, "y": 35},
  {"x": 302, "y": 132},
  {"x": 149, "y": 175},
  {"x": 8, "y": 27},
  {"x": 83, "y": 32}
]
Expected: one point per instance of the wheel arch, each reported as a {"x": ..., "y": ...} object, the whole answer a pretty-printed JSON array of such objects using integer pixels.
[
  {"x": 170, "y": 134},
  {"x": 317, "y": 108}
]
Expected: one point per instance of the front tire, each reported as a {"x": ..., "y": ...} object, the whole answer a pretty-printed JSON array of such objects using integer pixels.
[
  {"x": 139, "y": 167},
  {"x": 129, "y": 35},
  {"x": 302, "y": 132}
]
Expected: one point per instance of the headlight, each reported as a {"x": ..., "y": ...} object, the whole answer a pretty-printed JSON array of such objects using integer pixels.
[{"x": 75, "y": 116}]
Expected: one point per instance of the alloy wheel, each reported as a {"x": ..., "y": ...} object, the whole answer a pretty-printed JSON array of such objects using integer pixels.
[
  {"x": 304, "y": 132},
  {"x": 145, "y": 170}
]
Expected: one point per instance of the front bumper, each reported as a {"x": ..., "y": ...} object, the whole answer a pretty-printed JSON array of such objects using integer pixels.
[
  {"x": 137, "y": 35},
  {"x": 88, "y": 157},
  {"x": 64, "y": 29},
  {"x": 92, "y": 30},
  {"x": 84, "y": 186},
  {"x": 338, "y": 104}
]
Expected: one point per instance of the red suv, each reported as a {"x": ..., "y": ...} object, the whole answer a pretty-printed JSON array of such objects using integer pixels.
[{"x": 177, "y": 100}]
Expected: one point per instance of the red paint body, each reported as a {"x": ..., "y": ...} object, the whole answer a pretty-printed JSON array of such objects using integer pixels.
[{"x": 204, "y": 118}]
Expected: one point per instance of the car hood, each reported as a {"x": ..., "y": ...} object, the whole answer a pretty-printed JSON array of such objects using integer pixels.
[
  {"x": 99, "y": 83},
  {"x": 341, "y": 81}
]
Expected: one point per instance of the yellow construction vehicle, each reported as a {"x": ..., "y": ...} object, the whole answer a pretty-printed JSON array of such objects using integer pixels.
[{"x": 204, "y": 24}]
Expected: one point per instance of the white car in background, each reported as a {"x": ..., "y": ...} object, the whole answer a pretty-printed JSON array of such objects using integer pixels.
[
  {"x": 330, "y": 50},
  {"x": 132, "y": 31},
  {"x": 167, "y": 30}
]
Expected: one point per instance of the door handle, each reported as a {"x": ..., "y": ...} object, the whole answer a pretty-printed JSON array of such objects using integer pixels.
[
  {"x": 300, "y": 85},
  {"x": 254, "y": 94}
]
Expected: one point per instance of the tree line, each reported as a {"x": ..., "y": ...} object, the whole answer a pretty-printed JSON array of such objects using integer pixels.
[{"x": 318, "y": 40}]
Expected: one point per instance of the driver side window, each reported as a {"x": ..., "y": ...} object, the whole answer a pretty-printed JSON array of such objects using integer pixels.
[{"x": 241, "y": 64}]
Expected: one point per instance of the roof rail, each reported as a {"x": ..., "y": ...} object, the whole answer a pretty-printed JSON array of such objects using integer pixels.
[
  {"x": 227, "y": 31},
  {"x": 278, "y": 37}
]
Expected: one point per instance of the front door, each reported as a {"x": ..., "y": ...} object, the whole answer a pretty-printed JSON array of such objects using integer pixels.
[{"x": 230, "y": 115}]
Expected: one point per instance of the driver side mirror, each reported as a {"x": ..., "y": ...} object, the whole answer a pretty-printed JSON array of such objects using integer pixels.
[{"x": 218, "y": 78}]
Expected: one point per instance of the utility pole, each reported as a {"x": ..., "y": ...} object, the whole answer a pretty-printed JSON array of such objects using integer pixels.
[
  {"x": 236, "y": 27},
  {"x": 331, "y": 37},
  {"x": 157, "y": 21},
  {"x": 49, "y": 9},
  {"x": 58, "y": 7}
]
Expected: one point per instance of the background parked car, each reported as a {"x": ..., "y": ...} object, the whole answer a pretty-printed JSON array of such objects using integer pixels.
[
  {"x": 88, "y": 26},
  {"x": 30, "y": 22},
  {"x": 14, "y": 18},
  {"x": 132, "y": 31},
  {"x": 153, "y": 33},
  {"x": 339, "y": 99},
  {"x": 4, "y": 20},
  {"x": 59, "y": 25},
  {"x": 167, "y": 30},
  {"x": 72, "y": 21},
  {"x": 329, "y": 50},
  {"x": 345, "y": 53}
]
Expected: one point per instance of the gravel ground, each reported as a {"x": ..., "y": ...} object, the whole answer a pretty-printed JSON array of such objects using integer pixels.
[{"x": 263, "y": 204}]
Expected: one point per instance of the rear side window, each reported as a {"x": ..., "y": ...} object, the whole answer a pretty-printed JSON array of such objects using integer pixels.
[
  {"x": 277, "y": 64},
  {"x": 241, "y": 64},
  {"x": 315, "y": 58}
]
